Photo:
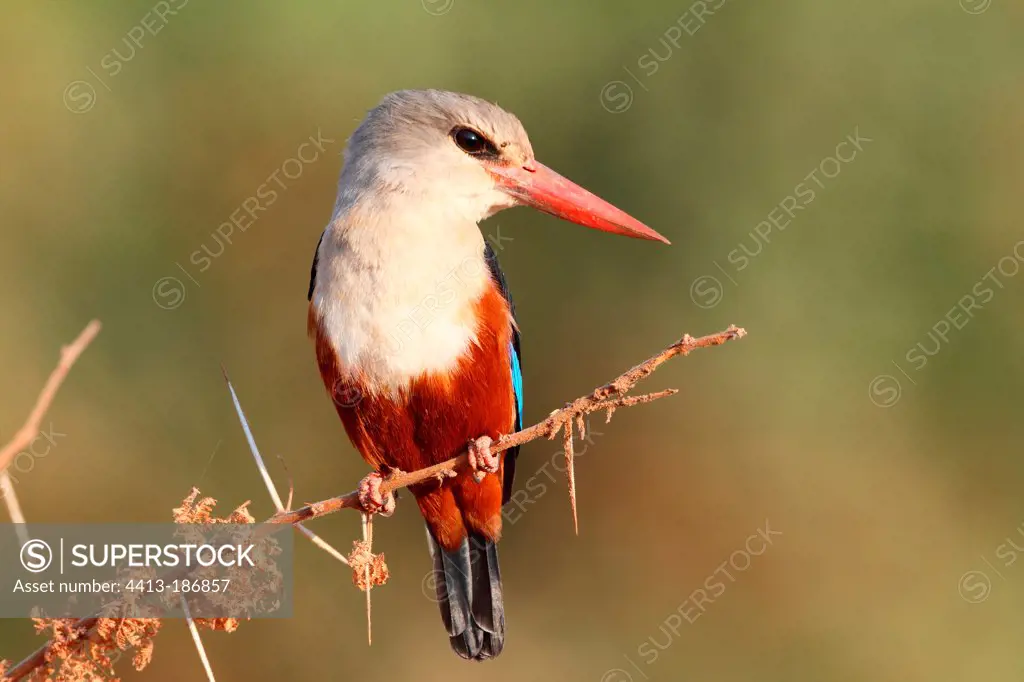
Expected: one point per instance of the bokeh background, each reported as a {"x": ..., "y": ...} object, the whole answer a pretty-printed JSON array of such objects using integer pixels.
[{"x": 895, "y": 485}]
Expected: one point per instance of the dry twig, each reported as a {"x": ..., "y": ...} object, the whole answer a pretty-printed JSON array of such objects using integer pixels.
[
  {"x": 68, "y": 355},
  {"x": 30, "y": 429}
]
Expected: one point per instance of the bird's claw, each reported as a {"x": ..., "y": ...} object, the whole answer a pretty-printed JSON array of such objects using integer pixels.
[
  {"x": 372, "y": 499},
  {"x": 481, "y": 460}
]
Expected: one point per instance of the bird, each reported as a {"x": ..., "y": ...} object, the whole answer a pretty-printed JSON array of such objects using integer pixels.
[{"x": 415, "y": 331}]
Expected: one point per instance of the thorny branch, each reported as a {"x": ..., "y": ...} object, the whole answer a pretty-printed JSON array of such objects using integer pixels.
[{"x": 606, "y": 398}]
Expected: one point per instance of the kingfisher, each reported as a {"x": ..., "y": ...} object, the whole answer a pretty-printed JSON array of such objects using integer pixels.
[{"x": 415, "y": 331}]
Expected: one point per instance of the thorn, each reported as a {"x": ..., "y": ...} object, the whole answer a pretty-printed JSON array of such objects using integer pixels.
[
  {"x": 368, "y": 539},
  {"x": 279, "y": 506},
  {"x": 267, "y": 480},
  {"x": 197, "y": 641},
  {"x": 322, "y": 544},
  {"x": 570, "y": 472}
]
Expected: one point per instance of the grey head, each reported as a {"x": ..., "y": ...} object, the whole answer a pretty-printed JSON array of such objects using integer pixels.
[{"x": 434, "y": 146}]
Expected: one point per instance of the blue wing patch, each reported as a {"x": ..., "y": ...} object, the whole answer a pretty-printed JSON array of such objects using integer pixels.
[{"x": 517, "y": 384}]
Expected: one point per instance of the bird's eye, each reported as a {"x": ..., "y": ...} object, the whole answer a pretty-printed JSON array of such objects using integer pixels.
[{"x": 473, "y": 143}]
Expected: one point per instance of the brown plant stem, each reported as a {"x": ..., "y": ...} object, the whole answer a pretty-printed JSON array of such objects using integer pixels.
[{"x": 68, "y": 355}]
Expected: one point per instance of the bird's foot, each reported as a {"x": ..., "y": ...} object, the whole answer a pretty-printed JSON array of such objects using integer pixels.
[
  {"x": 372, "y": 499},
  {"x": 481, "y": 460}
]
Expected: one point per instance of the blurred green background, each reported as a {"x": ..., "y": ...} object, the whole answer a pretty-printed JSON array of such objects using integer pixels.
[{"x": 895, "y": 485}]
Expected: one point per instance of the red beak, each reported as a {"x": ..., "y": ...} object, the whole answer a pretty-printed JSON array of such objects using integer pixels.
[{"x": 537, "y": 185}]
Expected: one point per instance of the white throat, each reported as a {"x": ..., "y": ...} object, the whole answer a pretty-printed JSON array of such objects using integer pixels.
[{"x": 396, "y": 289}]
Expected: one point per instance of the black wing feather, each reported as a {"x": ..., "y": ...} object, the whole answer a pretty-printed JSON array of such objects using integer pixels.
[
  {"x": 312, "y": 270},
  {"x": 512, "y": 453}
]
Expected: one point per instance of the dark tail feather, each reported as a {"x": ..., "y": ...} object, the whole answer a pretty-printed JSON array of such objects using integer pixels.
[{"x": 469, "y": 593}]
